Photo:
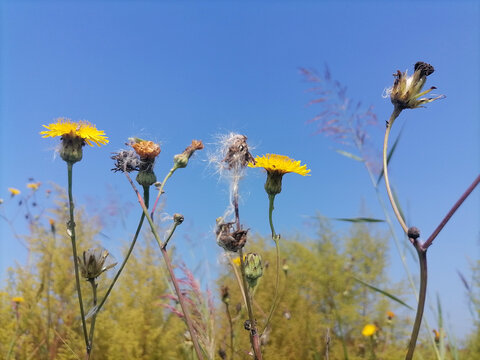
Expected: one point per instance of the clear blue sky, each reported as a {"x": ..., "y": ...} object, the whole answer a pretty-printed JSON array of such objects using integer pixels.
[{"x": 177, "y": 71}]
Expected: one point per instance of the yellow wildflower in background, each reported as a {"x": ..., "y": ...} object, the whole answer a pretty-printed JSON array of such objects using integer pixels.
[
  {"x": 14, "y": 191},
  {"x": 390, "y": 315},
  {"x": 18, "y": 299},
  {"x": 82, "y": 129},
  {"x": 236, "y": 261},
  {"x": 279, "y": 164},
  {"x": 369, "y": 330},
  {"x": 34, "y": 186}
]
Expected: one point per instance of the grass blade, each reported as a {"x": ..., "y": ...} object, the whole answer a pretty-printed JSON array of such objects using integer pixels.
[
  {"x": 383, "y": 292},
  {"x": 349, "y": 155},
  {"x": 360, "y": 220}
]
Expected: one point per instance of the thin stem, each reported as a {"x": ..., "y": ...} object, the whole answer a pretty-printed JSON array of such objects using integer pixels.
[
  {"x": 146, "y": 196},
  {"x": 422, "y": 256},
  {"x": 183, "y": 305},
  {"x": 254, "y": 338},
  {"x": 71, "y": 228},
  {"x": 160, "y": 190},
  {"x": 394, "y": 115},
  {"x": 94, "y": 317},
  {"x": 173, "y": 278},
  {"x": 275, "y": 237},
  {"x": 175, "y": 224},
  {"x": 232, "y": 352},
  {"x": 239, "y": 280},
  {"x": 450, "y": 213}
]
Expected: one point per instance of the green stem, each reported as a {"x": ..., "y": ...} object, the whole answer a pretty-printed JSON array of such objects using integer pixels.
[
  {"x": 275, "y": 237},
  {"x": 394, "y": 115},
  {"x": 71, "y": 228},
  {"x": 254, "y": 338},
  {"x": 422, "y": 256},
  {"x": 146, "y": 196},
  {"x": 94, "y": 317},
  {"x": 174, "y": 280},
  {"x": 232, "y": 352},
  {"x": 160, "y": 190},
  {"x": 175, "y": 224}
]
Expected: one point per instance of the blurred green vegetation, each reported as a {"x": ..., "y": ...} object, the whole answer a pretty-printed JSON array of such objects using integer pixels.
[{"x": 321, "y": 312}]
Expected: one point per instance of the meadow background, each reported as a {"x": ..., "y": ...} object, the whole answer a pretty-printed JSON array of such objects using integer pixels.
[{"x": 177, "y": 71}]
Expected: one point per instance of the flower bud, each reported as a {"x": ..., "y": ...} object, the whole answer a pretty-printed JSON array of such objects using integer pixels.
[
  {"x": 178, "y": 218},
  {"x": 273, "y": 185},
  {"x": 253, "y": 268},
  {"x": 71, "y": 148}
]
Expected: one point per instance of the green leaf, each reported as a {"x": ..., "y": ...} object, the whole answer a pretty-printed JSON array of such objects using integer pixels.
[
  {"x": 349, "y": 155},
  {"x": 390, "y": 154},
  {"x": 360, "y": 220},
  {"x": 393, "y": 297}
]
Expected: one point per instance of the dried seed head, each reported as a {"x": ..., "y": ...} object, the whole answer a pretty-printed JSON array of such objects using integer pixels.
[
  {"x": 237, "y": 154},
  {"x": 146, "y": 149},
  {"x": 126, "y": 161},
  {"x": 227, "y": 238}
]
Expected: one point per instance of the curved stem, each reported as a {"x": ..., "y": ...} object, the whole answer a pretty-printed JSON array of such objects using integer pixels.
[
  {"x": 422, "y": 256},
  {"x": 71, "y": 228},
  {"x": 385, "y": 170},
  {"x": 275, "y": 237}
]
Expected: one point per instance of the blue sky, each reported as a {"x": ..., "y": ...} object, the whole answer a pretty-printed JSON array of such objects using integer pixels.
[{"x": 177, "y": 71}]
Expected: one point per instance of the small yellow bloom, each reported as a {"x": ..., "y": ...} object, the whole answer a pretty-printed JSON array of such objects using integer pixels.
[
  {"x": 369, "y": 330},
  {"x": 82, "y": 129},
  {"x": 18, "y": 299},
  {"x": 14, "y": 191},
  {"x": 390, "y": 315},
  {"x": 237, "y": 262},
  {"x": 279, "y": 164},
  {"x": 437, "y": 335},
  {"x": 34, "y": 186}
]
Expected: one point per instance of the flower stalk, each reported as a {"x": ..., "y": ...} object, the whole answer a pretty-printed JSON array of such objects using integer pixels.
[
  {"x": 71, "y": 231},
  {"x": 173, "y": 278}
]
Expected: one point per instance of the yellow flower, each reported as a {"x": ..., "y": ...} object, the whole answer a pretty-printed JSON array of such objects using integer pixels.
[
  {"x": 390, "y": 315},
  {"x": 82, "y": 129},
  {"x": 18, "y": 299},
  {"x": 277, "y": 166},
  {"x": 236, "y": 261},
  {"x": 280, "y": 164},
  {"x": 34, "y": 186},
  {"x": 14, "y": 191},
  {"x": 369, "y": 330}
]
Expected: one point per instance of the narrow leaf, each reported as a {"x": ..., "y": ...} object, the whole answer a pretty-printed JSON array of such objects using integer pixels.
[
  {"x": 360, "y": 220},
  {"x": 393, "y": 297},
  {"x": 349, "y": 155}
]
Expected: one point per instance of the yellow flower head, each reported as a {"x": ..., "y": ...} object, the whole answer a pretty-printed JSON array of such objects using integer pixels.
[
  {"x": 236, "y": 261},
  {"x": 18, "y": 299},
  {"x": 82, "y": 129},
  {"x": 280, "y": 164},
  {"x": 390, "y": 315},
  {"x": 34, "y": 186},
  {"x": 14, "y": 191},
  {"x": 277, "y": 166},
  {"x": 369, "y": 330}
]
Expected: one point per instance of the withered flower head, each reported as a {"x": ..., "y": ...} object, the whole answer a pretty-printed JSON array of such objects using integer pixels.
[
  {"x": 146, "y": 149},
  {"x": 126, "y": 161},
  {"x": 181, "y": 160},
  {"x": 407, "y": 90},
  {"x": 237, "y": 155},
  {"x": 93, "y": 263},
  {"x": 227, "y": 238}
]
